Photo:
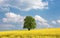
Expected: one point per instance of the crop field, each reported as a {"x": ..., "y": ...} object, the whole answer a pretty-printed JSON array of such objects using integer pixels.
[{"x": 40, "y": 33}]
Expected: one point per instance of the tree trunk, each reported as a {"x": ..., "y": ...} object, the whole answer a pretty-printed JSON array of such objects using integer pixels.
[{"x": 29, "y": 29}]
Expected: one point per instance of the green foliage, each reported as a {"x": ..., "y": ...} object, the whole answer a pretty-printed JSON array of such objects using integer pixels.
[{"x": 29, "y": 22}]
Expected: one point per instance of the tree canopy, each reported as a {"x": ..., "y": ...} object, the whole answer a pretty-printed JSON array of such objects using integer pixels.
[{"x": 29, "y": 23}]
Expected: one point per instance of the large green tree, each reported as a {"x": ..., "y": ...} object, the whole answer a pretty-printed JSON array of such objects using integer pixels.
[{"x": 29, "y": 22}]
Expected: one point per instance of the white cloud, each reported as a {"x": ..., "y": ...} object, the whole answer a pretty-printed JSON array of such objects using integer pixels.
[
  {"x": 25, "y": 5},
  {"x": 41, "y": 21},
  {"x": 1, "y": 0},
  {"x": 58, "y": 21},
  {"x": 12, "y": 17},
  {"x": 12, "y": 21},
  {"x": 37, "y": 17},
  {"x": 54, "y": 22}
]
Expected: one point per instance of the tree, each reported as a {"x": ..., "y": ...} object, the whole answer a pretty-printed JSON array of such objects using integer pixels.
[{"x": 29, "y": 23}]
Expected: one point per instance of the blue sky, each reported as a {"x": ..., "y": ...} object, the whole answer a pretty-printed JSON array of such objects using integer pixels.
[{"x": 13, "y": 12}]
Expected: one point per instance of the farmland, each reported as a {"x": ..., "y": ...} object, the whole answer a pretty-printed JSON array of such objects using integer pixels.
[{"x": 40, "y": 33}]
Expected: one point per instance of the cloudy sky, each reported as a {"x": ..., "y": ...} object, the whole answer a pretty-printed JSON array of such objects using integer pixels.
[{"x": 13, "y": 12}]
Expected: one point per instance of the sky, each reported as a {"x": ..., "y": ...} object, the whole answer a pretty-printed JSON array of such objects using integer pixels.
[{"x": 13, "y": 12}]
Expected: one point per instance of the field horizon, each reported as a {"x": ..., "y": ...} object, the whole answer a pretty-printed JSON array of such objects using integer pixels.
[{"x": 38, "y": 33}]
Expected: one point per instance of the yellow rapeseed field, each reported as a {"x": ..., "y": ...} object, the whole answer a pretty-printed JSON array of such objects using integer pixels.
[{"x": 40, "y": 33}]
